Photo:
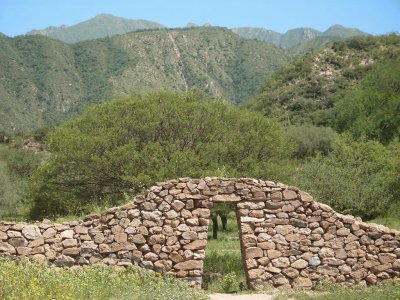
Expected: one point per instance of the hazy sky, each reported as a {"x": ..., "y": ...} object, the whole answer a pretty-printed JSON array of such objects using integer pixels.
[{"x": 372, "y": 16}]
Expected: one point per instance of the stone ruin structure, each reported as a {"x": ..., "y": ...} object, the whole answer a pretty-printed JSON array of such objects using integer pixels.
[{"x": 287, "y": 239}]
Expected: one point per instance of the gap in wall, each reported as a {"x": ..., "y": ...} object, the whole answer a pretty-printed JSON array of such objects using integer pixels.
[{"x": 223, "y": 265}]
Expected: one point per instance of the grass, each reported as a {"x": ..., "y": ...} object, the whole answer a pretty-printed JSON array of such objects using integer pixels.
[
  {"x": 33, "y": 281},
  {"x": 391, "y": 219},
  {"x": 332, "y": 291},
  {"x": 223, "y": 266}
]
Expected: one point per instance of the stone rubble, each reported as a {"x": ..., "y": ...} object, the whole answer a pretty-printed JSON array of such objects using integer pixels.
[{"x": 287, "y": 239}]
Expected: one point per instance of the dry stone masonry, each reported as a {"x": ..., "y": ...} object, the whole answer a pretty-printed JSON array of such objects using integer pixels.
[{"x": 287, "y": 239}]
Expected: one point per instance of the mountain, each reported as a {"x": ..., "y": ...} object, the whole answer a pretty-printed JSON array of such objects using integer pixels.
[
  {"x": 44, "y": 81},
  {"x": 103, "y": 25},
  {"x": 295, "y": 37},
  {"x": 343, "y": 32},
  {"x": 314, "y": 44},
  {"x": 307, "y": 89}
]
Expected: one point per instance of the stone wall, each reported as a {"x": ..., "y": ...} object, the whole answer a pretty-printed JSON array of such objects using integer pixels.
[{"x": 287, "y": 239}]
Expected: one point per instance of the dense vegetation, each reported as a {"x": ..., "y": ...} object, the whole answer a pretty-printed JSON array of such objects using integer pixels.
[
  {"x": 306, "y": 90},
  {"x": 33, "y": 281},
  {"x": 45, "y": 81},
  {"x": 16, "y": 167},
  {"x": 373, "y": 108},
  {"x": 358, "y": 177},
  {"x": 124, "y": 145}
]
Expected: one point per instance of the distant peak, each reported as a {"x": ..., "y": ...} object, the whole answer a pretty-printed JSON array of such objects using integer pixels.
[
  {"x": 104, "y": 15},
  {"x": 336, "y": 26}
]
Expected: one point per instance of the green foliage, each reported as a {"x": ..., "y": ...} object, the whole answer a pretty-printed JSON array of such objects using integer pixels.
[
  {"x": 15, "y": 168},
  {"x": 25, "y": 280},
  {"x": 314, "y": 44},
  {"x": 311, "y": 140},
  {"x": 40, "y": 134},
  {"x": 124, "y": 145},
  {"x": 333, "y": 291},
  {"x": 229, "y": 282},
  {"x": 358, "y": 177},
  {"x": 373, "y": 109},
  {"x": 307, "y": 90},
  {"x": 223, "y": 260},
  {"x": 389, "y": 218}
]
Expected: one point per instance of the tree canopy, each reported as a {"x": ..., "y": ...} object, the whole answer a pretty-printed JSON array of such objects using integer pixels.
[
  {"x": 124, "y": 145},
  {"x": 359, "y": 177},
  {"x": 373, "y": 109}
]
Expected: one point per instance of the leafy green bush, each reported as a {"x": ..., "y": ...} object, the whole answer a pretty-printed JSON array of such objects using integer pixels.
[
  {"x": 373, "y": 109},
  {"x": 229, "y": 282},
  {"x": 358, "y": 177},
  {"x": 25, "y": 280},
  {"x": 16, "y": 166},
  {"x": 124, "y": 145},
  {"x": 311, "y": 139}
]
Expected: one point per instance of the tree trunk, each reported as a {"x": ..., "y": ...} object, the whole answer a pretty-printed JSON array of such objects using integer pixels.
[
  {"x": 215, "y": 226},
  {"x": 224, "y": 221}
]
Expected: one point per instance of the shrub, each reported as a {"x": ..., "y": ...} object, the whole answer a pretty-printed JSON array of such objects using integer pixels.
[
  {"x": 124, "y": 145},
  {"x": 358, "y": 177},
  {"x": 311, "y": 139}
]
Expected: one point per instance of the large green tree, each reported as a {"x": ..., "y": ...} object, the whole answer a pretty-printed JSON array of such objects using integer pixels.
[{"x": 124, "y": 145}]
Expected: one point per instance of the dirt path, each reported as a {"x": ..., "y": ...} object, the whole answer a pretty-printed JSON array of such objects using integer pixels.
[{"x": 240, "y": 297}]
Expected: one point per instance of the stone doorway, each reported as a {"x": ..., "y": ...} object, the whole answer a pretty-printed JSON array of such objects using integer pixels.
[{"x": 223, "y": 264}]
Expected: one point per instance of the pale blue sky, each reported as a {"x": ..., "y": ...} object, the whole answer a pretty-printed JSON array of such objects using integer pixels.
[{"x": 372, "y": 16}]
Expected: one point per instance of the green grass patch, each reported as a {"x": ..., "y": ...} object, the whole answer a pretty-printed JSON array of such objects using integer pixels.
[
  {"x": 33, "y": 281},
  {"x": 223, "y": 266},
  {"x": 391, "y": 219},
  {"x": 334, "y": 291}
]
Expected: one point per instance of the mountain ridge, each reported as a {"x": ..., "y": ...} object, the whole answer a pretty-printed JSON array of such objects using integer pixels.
[
  {"x": 294, "y": 37},
  {"x": 107, "y": 25},
  {"x": 44, "y": 81},
  {"x": 102, "y": 25}
]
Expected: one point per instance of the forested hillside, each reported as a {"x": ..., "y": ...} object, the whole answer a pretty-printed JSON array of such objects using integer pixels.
[
  {"x": 307, "y": 90},
  {"x": 45, "y": 81}
]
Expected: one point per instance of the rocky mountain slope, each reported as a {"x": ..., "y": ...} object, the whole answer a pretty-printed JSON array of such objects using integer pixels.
[
  {"x": 104, "y": 25},
  {"x": 297, "y": 36},
  {"x": 306, "y": 90},
  {"x": 44, "y": 81}
]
